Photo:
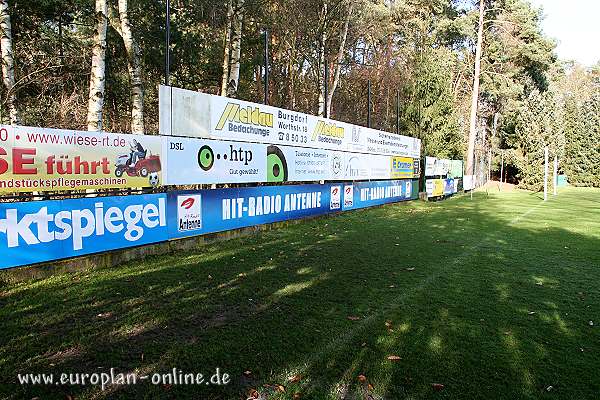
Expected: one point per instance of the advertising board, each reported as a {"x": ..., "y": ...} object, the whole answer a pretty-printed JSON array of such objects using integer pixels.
[
  {"x": 225, "y": 209},
  {"x": 205, "y": 161},
  {"x": 403, "y": 168},
  {"x": 193, "y": 114},
  {"x": 42, "y": 159},
  {"x": 38, "y": 231},
  {"x": 435, "y": 187}
]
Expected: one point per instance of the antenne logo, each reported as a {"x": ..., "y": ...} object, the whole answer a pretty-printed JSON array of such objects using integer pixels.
[
  {"x": 328, "y": 129},
  {"x": 335, "y": 198},
  {"x": 253, "y": 116},
  {"x": 189, "y": 212},
  {"x": 348, "y": 196}
]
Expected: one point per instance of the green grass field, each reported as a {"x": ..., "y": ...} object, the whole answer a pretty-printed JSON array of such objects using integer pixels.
[{"x": 491, "y": 298}]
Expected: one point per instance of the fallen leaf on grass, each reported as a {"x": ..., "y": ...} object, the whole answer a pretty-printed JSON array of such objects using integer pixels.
[
  {"x": 362, "y": 378},
  {"x": 295, "y": 378},
  {"x": 353, "y": 318},
  {"x": 437, "y": 386},
  {"x": 370, "y": 387},
  {"x": 394, "y": 358},
  {"x": 297, "y": 395},
  {"x": 253, "y": 394},
  {"x": 280, "y": 388}
]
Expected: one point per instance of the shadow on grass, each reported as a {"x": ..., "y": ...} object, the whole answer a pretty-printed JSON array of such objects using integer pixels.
[{"x": 490, "y": 298}]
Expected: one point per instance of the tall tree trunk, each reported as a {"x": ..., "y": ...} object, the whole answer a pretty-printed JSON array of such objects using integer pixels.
[
  {"x": 340, "y": 56},
  {"x": 135, "y": 70},
  {"x": 475, "y": 96},
  {"x": 322, "y": 61},
  {"x": 98, "y": 71},
  {"x": 236, "y": 48},
  {"x": 227, "y": 47},
  {"x": 8, "y": 62}
]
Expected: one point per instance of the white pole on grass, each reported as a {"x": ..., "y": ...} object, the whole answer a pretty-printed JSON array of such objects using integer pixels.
[
  {"x": 555, "y": 175},
  {"x": 546, "y": 173},
  {"x": 501, "y": 171}
]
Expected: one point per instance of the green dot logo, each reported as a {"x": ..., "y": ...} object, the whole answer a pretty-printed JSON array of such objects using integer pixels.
[
  {"x": 206, "y": 158},
  {"x": 276, "y": 165}
]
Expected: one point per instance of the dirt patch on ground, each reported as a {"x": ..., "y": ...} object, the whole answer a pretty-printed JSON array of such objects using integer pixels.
[{"x": 495, "y": 185}]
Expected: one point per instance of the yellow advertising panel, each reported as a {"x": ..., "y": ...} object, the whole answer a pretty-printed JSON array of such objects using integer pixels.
[
  {"x": 435, "y": 187},
  {"x": 438, "y": 187},
  {"x": 41, "y": 159},
  {"x": 402, "y": 167}
]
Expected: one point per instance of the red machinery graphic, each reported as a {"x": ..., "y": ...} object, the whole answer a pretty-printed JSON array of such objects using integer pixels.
[{"x": 142, "y": 167}]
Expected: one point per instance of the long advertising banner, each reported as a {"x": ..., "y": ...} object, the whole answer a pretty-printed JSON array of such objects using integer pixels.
[
  {"x": 40, "y": 231},
  {"x": 41, "y": 159},
  {"x": 195, "y": 161},
  {"x": 204, "y": 211},
  {"x": 192, "y": 114}
]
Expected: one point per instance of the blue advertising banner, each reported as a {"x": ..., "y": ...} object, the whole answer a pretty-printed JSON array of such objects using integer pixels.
[
  {"x": 38, "y": 231},
  {"x": 448, "y": 186},
  {"x": 198, "y": 212},
  {"x": 367, "y": 194},
  {"x": 194, "y": 213}
]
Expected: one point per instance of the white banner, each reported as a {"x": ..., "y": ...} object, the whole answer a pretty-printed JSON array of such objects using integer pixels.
[
  {"x": 202, "y": 161},
  {"x": 437, "y": 166},
  {"x": 430, "y": 163},
  {"x": 194, "y": 161},
  {"x": 301, "y": 164},
  {"x": 194, "y": 114},
  {"x": 468, "y": 181}
]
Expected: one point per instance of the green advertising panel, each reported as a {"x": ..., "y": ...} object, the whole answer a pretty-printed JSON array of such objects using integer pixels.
[{"x": 456, "y": 169}]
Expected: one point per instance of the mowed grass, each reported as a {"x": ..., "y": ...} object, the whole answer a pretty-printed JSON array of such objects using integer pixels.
[{"x": 491, "y": 298}]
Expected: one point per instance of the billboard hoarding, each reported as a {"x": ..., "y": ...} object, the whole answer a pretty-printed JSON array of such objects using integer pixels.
[
  {"x": 206, "y": 161},
  {"x": 42, "y": 231},
  {"x": 193, "y": 114},
  {"x": 225, "y": 209}
]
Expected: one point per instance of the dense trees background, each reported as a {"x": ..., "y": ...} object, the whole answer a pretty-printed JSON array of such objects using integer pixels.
[{"x": 420, "y": 51}]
